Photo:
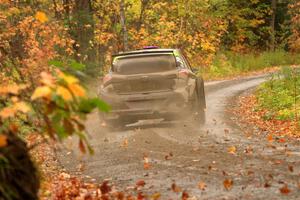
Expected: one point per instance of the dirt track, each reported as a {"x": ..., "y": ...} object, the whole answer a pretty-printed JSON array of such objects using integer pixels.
[{"x": 257, "y": 169}]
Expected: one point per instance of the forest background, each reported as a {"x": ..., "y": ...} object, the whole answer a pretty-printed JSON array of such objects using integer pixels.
[
  {"x": 219, "y": 36},
  {"x": 46, "y": 44}
]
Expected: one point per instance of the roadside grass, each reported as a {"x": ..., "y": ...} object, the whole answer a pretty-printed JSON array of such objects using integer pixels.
[
  {"x": 280, "y": 95},
  {"x": 229, "y": 64}
]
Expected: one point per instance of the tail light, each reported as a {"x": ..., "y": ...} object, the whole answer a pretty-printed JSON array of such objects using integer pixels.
[
  {"x": 107, "y": 78},
  {"x": 183, "y": 73}
]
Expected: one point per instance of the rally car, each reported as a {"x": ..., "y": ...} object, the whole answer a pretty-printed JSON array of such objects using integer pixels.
[{"x": 152, "y": 83}]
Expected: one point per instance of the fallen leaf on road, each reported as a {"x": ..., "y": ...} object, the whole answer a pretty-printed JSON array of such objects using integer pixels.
[
  {"x": 232, "y": 150},
  {"x": 141, "y": 196},
  {"x": 81, "y": 147},
  {"x": 291, "y": 168},
  {"x": 270, "y": 138},
  {"x": 125, "y": 143},
  {"x": 226, "y": 130},
  {"x": 146, "y": 163},
  {"x": 105, "y": 188},
  {"x": 267, "y": 185},
  {"x": 169, "y": 156},
  {"x": 285, "y": 190},
  {"x": 215, "y": 121},
  {"x": 140, "y": 183},
  {"x": 281, "y": 140},
  {"x": 155, "y": 196},
  {"x": 80, "y": 167},
  {"x": 201, "y": 185},
  {"x": 185, "y": 195},
  {"x": 228, "y": 184},
  {"x": 175, "y": 188},
  {"x": 278, "y": 162},
  {"x": 249, "y": 150}
]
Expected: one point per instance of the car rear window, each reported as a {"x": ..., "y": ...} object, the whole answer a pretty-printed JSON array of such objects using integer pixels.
[{"x": 144, "y": 64}]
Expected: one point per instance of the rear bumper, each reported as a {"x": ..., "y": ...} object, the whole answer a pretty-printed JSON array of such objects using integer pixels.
[{"x": 147, "y": 106}]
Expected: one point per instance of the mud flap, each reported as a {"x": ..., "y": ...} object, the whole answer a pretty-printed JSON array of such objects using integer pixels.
[{"x": 200, "y": 101}]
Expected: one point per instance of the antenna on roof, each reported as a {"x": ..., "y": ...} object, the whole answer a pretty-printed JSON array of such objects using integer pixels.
[{"x": 150, "y": 47}]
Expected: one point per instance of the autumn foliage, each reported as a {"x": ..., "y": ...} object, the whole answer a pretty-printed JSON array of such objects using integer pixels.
[{"x": 46, "y": 45}]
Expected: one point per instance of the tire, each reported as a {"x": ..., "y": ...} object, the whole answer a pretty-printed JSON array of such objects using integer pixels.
[
  {"x": 116, "y": 124},
  {"x": 199, "y": 103}
]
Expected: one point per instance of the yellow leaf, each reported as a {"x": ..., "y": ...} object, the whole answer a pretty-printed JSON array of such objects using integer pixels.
[
  {"x": 3, "y": 141},
  {"x": 156, "y": 196},
  {"x": 77, "y": 90},
  {"x": 68, "y": 78},
  {"x": 7, "y": 112},
  {"x": 41, "y": 92},
  {"x": 64, "y": 93},
  {"x": 232, "y": 150},
  {"x": 22, "y": 107},
  {"x": 41, "y": 16}
]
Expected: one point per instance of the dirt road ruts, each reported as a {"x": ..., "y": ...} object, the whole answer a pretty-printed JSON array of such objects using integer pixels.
[{"x": 258, "y": 170}]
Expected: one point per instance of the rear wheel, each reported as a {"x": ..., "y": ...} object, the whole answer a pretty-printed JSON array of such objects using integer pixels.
[{"x": 199, "y": 104}]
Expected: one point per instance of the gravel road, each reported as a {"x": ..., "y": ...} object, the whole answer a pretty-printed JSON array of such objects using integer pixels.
[{"x": 188, "y": 154}]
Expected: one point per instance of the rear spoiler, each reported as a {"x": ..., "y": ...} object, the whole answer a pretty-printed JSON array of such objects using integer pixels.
[{"x": 141, "y": 52}]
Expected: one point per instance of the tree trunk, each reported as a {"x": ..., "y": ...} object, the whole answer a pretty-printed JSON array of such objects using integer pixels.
[
  {"x": 55, "y": 9},
  {"x": 273, "y": 20},
  {"x": 83, "y": 31},
  {"x": 123, "y": 25},
  {"x": 19, "y": 178},
  {"x": 141, "y": 18},
  {"x": 66, "y": 5}
]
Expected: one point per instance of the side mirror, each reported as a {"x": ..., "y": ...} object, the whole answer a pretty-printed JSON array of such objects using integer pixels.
[{"x": 196, "y": 70}]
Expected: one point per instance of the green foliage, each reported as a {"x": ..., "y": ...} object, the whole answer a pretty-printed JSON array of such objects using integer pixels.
[
  {"x": 69, "y": 64},
  {"x": 88, "y": 105},
  {"x": 229, "y": 63},
  {"x": 280, "y": 95}
]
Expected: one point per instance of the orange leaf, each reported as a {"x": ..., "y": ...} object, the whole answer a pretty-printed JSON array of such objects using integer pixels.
[
  {"x": 185, "y": 195},
  {"x": 47, "y": 79},
  {"x": 125, "y": 143},
  {"x": 22, "y": 107},
  {"x": 281, "y": 140},
  {"x": 285, "y": 190},
  {"x": 82, "y": 147},
  {"x": 77, "y": 90},
  {"x": 64, "y": 93},
  {"x": 201, "y": 185},
  {"x": 7, "y": 112},
  {"x": 146, "y": 166},
  {"x": 175, "y": 188},
  {"x": 41, "y": 16},
  {"x": 12, "y": 89},
  {"x": 146, "y": 163},
  {"x": 270, "y": 138},
  {"x": 141, "y": 183},
  {"x": 227, "y": 184},
  {"x": 3, "y": 141}
]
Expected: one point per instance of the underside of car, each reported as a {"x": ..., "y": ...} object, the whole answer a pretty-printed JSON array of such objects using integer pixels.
[{"x": 151, "y": 84}]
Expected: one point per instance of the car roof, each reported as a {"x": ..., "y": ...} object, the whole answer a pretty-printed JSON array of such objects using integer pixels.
[{"x": 144, "y": 51}]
